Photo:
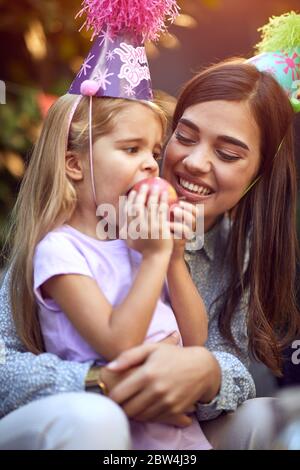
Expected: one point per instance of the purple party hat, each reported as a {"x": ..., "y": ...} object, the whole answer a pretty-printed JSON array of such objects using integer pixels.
[{"x": 117, "y": 65}]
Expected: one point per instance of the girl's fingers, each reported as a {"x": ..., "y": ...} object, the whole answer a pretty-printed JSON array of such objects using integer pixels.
[
  {"x": 158, "y": 214},
  {"x": 153, "y": 198},
  {"x": 163, "y": 211},
  {"x": 131, "y": 196},
  {"x": 152, "y": 209},
  {"x": 163, "y": 217},
  {"x": 195, "y": 210},
  {"x": 183, "y": 216},
  {"x": 136, "y": 205},
  {"x": 190, "y": 211},
  {"x": 181, "y": 231},
  {"x": 192, "y": 208},
  {"x": 164, "y": 197},
  {"x": 141, "y": 196},
  {"x": 186, "y": 218}
]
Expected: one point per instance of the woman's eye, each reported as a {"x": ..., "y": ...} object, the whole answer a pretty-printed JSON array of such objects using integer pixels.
[
  {"x": 228, "y": 156},
  {"x": 184, "y": 140}
]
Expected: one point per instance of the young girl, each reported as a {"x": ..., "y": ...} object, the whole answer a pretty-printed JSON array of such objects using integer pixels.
[{"x": 97, "y": 298}]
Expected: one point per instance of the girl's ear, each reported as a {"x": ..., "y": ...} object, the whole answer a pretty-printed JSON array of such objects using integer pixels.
[{"x": 74, "y": 169}]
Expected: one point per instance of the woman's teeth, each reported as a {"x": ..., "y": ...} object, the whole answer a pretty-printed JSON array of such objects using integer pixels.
[{"x": 194, "y": 188}]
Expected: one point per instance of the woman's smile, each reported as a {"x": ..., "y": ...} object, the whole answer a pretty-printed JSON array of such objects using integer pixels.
[{"x": 193, "y": 189}]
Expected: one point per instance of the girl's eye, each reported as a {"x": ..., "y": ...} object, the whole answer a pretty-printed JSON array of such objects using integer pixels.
[
  {"x": 227, "y": 156},
  {"x": 184, "y": 140},
  {"x": 131, "y": 149}
]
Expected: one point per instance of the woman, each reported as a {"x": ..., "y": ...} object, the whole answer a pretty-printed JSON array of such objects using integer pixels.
[
  {"x": 232, "y": 151},
  {"x": 233, "y": 136}
]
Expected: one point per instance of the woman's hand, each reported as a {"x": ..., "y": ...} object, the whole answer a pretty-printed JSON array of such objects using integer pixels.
[
  {"x": 112, "y": 378},
  {"x": 169, "y": 382}
]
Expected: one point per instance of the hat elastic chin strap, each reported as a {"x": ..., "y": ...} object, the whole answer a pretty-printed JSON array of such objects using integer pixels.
[
  {"x": 74, "y": 107},
  {"x": 251, "y": 185},
  {"x": 91, "y": 150},
  {"x": 259, "y": 176}
]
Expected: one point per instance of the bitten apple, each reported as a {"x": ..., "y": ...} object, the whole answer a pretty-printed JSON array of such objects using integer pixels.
[{"x": 162, "y": 185}]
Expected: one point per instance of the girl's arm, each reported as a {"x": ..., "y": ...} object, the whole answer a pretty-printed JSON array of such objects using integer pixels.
[
  {"x": 186, "y": 301},
  {"x": 187, "y": 304},
  {"x": 111, "y": 330}
]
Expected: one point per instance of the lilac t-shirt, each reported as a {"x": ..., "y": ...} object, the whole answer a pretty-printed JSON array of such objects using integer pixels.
[{"x": 112, "y": 265}]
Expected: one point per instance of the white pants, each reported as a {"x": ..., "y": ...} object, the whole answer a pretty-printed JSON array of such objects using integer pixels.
[
  {"x": 77, "y": 421},
  {"x": 251, "y": 427},
  {"x": 90, "y": 421}
]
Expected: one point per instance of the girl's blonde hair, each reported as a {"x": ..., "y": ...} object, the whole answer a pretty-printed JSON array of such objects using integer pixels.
[{"x": 47, "y": 198}]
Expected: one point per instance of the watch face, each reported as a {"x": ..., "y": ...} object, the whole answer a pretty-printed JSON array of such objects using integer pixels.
[
  {"x": 92, "y": 377},
  {"x": 94, "y": 390}
]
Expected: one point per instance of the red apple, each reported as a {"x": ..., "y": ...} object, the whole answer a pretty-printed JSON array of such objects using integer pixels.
[{"x": 162, "y": 185}]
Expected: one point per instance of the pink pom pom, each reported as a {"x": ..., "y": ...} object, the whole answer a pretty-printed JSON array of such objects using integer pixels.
[
  {"x": 89, "y": 88},
  {"x": 142, "y": 18}
]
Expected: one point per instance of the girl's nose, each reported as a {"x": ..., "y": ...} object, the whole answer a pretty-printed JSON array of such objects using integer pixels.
[
  {"x": 197, "y": 161},
  {"x": 150, "y": 164}
]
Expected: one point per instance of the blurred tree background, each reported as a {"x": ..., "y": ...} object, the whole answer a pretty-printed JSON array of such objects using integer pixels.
[{"x": 42, "y": 50}]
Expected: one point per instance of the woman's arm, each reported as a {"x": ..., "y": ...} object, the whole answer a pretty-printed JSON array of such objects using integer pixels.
[
  {"x": 25, "y": 377},
  {"x": 237, "y": 384}
]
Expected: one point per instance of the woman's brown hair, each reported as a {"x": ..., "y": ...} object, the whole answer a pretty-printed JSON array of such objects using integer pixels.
[{"x": 265, "y": 218}]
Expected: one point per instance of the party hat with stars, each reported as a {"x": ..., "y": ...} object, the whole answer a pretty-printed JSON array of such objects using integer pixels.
[
  {"x": 279, "y": 53},
  {"x": 116, "y": 65}
]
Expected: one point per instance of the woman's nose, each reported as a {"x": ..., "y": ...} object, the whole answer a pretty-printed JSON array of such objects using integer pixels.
[{"x": 197, "y": 161}]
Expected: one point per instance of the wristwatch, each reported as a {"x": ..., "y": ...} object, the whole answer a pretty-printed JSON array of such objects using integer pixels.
[{"x": 93, "y": 381}]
